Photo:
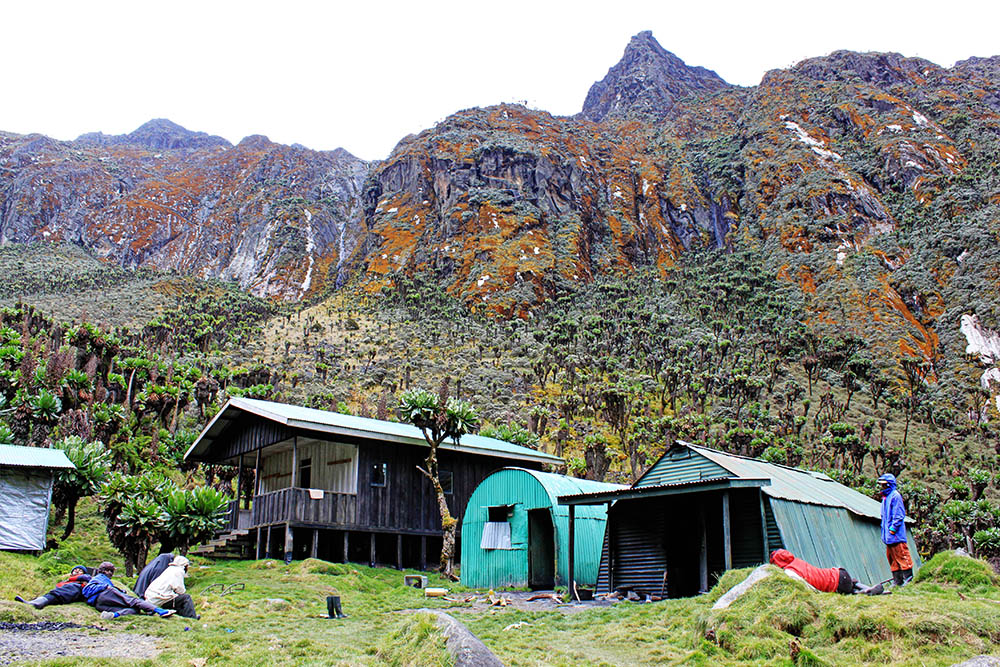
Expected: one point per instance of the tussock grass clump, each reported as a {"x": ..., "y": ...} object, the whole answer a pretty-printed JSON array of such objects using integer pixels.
[
  {"x": 415, "y": 640},
  {"x": 968, "y": 573}
]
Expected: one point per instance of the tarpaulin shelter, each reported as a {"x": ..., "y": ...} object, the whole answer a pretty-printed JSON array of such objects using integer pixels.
[
  {"x": 26, "y": 476},
  {"x": 698, "y": 512},
  {"x": 516, "y": 534}
]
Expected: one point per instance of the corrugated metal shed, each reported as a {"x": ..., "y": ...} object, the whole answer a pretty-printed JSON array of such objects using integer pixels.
[
  {"x": 334, "y": 423},
  {"x": 687, "y": 462},
  {"x": 808, "y": 513},
  {"x": 522, "y": 491},
  {"x": 33, "y": 457}
]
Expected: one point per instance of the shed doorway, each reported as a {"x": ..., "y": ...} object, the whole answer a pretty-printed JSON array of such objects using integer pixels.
[{"x": 541, "y": 550}]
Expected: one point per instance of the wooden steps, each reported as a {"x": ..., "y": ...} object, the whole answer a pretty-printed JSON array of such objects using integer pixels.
[{"x": 234, "y": 544}]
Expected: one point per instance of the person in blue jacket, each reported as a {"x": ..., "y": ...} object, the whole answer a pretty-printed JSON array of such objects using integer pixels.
[
  {"x": 894, "y": 530},
  {"x": 113, "y": 602}
]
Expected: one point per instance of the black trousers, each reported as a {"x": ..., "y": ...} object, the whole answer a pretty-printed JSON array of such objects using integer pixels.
[
  {"x": 112, "y": 599},
  {"x": 845, "y": 583},
  {"x": 183, "y": 605},
  {"x": 65, "y": 594}
]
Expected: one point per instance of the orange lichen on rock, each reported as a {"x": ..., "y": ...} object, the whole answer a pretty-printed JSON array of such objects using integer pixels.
[{"x": 922, "y": 341}]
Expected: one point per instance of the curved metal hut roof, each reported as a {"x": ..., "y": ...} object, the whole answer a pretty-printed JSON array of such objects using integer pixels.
[{"x": 522, "y": 490}]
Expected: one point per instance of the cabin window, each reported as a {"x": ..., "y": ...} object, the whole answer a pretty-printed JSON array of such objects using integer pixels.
[
  {"x": 447, "y": 479},
  {"x": 380, "y": 474},
  {"x": 496, "y": 530},
  {"x": 305, "y": 473}
]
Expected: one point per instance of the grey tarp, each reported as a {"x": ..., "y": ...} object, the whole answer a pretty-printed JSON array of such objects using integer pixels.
[{"x": 24, "y": 508}]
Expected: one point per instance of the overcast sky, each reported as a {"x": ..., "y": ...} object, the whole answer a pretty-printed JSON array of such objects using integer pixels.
[{"x": 362, "y": 75}]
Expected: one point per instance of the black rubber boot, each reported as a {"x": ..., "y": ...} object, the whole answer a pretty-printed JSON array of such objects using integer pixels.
[
  {"x": 337, "y": 608},
  {"x": 897, "y": 577},
  {"x": 905, "y": 575}
]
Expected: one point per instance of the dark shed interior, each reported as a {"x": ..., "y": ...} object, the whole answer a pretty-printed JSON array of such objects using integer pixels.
[{"x": 676, "y": 545}]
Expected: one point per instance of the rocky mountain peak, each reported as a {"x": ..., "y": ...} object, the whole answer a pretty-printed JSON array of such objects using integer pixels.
[
  {"x": 157, "y": 134},
  {"x": 647, "y": 81}
]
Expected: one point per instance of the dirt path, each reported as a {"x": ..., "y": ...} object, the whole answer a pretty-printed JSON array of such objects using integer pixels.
[{"x": 43, "y": 641}]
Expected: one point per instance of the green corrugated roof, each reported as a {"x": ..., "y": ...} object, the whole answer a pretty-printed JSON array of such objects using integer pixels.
[
  {"x": 33, "y": 457},
  {"x": 802, "y": 486},
  {"x": 562, "y": 485},
  {"x": 298, "y": 416}
]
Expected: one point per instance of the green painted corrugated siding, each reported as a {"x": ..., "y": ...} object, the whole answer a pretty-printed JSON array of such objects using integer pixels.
[
  {"x": 681, "y": 465},
  {"x": 527, "y": 490},
  {"x": 834, "y": 537}
]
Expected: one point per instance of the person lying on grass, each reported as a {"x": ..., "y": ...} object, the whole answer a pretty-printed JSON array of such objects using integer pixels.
[
  {"x": 112, "y": 601},
  {"x": 825, "y": 579},
  {"x": 65, "y": 592},
  {"x": 168, "y": 590}
]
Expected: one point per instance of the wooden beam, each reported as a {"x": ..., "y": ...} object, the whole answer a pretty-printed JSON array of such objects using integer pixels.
[
  {"x": 703, "y": 554},
  {"x": 337, "y": 463},
  {"x": 260, "y": 542},
  {"x": 295, "y": 462},
  {"x": 371, "y": 555},
  {"x": 763, "y": 528},
  {"x": 256, "y": 476},
  {"x": 289, "y": 542},
  {"x": 239, "y": 490},
  {"x": 346, "y": 533},
  {"x": 572, "y": 553},
  {"x": 423, "y": 552},
  {"x": 314, "y": 552},
  {"x": 611, "y": 550},
  {"x": 399, "y": 552},
  {"x": 726, "y": 532},
  {"x": 267, "y": 547}
]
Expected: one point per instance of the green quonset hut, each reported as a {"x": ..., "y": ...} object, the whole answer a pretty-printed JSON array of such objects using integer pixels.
[
  {"x": 698, "y": 512},
  {"x": 514, "y": 532}
]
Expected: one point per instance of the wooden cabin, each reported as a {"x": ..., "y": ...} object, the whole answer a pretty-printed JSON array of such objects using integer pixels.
[
  {"x": 344, "y": 488},
  {"x": 698, "y": 512}
]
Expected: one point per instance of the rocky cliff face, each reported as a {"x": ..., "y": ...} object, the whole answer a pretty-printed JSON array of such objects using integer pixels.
[
  {"x": 279, "y": 220},
  {"x": 867, "y": 181}
]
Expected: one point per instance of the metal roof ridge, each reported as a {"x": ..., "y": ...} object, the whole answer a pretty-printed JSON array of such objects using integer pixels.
[
  {"x": 812, "y": 473},
  {"x": 326, "y": 421}
]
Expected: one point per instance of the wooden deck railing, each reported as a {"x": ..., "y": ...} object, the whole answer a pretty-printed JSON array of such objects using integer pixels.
[
  {"x": 296, "y": 505},
  {"x": 237, "y": 519}
]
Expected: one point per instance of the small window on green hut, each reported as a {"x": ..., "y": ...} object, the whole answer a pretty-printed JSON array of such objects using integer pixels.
[
  {"x": 447, "y": 479},
  {"x": 496, "y": 530},
  {"x": 380, "y": 473}
]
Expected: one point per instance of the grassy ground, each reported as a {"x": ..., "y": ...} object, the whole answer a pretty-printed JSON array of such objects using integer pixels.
[{"x": 951, "y": 613}]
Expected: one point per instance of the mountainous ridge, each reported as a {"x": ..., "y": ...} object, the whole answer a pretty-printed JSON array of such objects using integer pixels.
[
  {"x": 157, "y": 134},
  {"x": 819, "y": 165},
  {"x": 272, "y": 217}
]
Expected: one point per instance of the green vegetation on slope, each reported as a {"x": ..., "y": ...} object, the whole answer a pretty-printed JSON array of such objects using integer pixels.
[{"x": 278, "y": 619}]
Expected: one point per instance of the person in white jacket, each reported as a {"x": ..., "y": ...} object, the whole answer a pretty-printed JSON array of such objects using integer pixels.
[{"x": 168, "y": 591}]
